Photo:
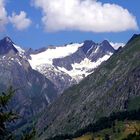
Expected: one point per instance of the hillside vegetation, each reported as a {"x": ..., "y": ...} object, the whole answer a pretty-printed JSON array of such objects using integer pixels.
[
  {"x": 119, "y": 131},
  {"x": 113, "y": 87}
]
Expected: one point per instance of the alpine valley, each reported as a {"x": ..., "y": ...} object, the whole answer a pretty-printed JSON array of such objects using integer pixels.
[
  {"x": 64, "y": 89},
  {"x": 113, "y": 86}
]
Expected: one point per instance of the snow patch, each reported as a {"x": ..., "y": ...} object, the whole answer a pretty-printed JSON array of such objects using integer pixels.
[
  {"x": 18, "y": 61},
  {"x": 3, "y": 56},
  {"x": 52, "y": 53},
  {"x": 20, "y": 50},
  {"x": 97, "y": 48},
  {"x": 84, "y": 68}
]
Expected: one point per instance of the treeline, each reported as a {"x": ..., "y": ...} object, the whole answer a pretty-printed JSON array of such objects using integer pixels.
[{"x": 102, "y": 123}]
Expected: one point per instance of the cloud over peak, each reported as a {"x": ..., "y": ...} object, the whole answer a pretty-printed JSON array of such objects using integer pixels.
[
  {"x": 20, "y": 22},
  {"x": 85, "y": 15}
]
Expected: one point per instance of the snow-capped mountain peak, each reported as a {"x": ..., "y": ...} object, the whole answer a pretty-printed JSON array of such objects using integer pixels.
[
  {"x": 70, "y": 63},
  {"x": 62, "y": 65}
]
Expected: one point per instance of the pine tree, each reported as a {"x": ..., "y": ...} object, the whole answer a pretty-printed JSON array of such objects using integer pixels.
[
  {"x": 6, "y": 115},
  {"x": 29, "y": 136}
]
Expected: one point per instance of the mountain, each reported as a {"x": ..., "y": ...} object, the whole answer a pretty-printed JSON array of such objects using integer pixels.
[
  {"x": 114, "y": 86},
  {"x": 6, "y": 46},
  {"x": 43, "y": 74},
  {"x": 34, "y": 91},
  {"x": 69, "y": 64}
]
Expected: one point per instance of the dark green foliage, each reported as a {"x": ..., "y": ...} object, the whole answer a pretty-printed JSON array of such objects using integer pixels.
[
  {"x": 119, "y": 130},
  {"x": 6, "y": 115},
  {"x": 133, "y": 137},
  {"x": 107, "y": 122},
  {"x": 61, "y": 137},
  {"x": 29, "y": 136},
  {"x": 103, "y": 123},
  {"x": 107, "y": 137}
]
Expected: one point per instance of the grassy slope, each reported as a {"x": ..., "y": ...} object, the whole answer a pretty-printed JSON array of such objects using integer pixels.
[
  {"x": 98, "y": 95},
  {"x": 122, "y": 130}
]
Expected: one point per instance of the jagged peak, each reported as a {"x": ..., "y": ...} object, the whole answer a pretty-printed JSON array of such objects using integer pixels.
[
  {"x": 107, "y": 46},
  {"x": 6, "y": 45},
  {"x": 105, "y": 42},
  {"x": 87, "y": 45},
  {"x": 7, "y": 39}
]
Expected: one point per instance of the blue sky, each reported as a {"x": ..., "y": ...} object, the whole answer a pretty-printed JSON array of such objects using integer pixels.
[{"x": 35, "y": 35}]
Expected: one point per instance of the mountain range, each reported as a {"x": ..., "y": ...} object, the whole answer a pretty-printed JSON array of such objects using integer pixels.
[
  {"x": 63, "y": 89},
  {"x": 113, "y": 86},
  {"x": 69, "y": 64},
  {"x": 40, "y": 76}
]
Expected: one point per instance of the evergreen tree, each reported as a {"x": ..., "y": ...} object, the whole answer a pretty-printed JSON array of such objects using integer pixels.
[
  {"x": 6, "y": 115},
  {"x": 29, "y": 136}
]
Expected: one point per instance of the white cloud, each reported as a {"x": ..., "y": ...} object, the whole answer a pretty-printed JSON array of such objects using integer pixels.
[
  {"x": 3, "y": 15},
  {"x": 117, "y": 45},
  {"x": 20, "y": 22},
  {"x": 85, "y": 15}
]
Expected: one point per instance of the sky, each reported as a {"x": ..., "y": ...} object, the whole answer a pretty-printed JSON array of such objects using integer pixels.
[{"x": 40, "y": 23}]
